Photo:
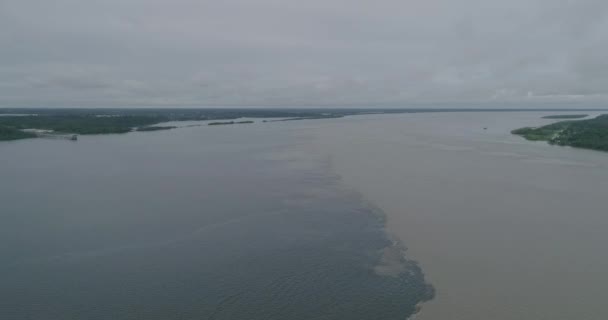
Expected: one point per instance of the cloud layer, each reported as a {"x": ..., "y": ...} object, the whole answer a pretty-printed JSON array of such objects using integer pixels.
[{"x": 303, "y": 53}]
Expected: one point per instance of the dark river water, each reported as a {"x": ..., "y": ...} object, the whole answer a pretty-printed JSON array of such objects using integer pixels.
[{"x": 230, "y": 222}]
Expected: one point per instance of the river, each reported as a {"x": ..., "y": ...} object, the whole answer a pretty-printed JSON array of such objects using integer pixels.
[
  {"x": 504, "y": 228},
  {"x": 199, "y": 222},
  {"x": 306, "y": 220}
]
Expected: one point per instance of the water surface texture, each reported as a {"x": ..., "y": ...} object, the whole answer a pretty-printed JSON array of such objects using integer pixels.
[
  {"x": 504, "y": 228},
  {"x": 233, "y": 222}
]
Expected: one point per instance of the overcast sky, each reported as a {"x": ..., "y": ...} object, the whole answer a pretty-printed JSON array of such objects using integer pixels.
[{"x": 303, "y": 52}]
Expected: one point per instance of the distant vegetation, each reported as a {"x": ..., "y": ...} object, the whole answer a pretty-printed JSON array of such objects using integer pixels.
[
  {"x": 155, "y": 128},
  {"x": 566, "y": 116},
  {"x": 80, "y": 124},
  {"x": 587, "y": 134},
  {"x": 228, "y": 122},
  {"x": 220, "y": 123},
  {"x": 321, "y": 116},
  {"x": 105, "y": 121},
  {"x": 177, "y": 114},
  {"x": 9, "y": 133}
]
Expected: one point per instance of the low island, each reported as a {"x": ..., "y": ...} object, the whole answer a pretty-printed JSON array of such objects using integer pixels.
[
  {"x": 229, "y": 122},
  {"x": 15, "y": 127},
  {"x": 155, "y": 128},
  {"x": 587, "y": 134},
  {"x": 566, "y": 116}
]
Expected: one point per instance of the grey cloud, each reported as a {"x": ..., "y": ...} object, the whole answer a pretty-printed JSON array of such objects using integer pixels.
[{"x": 302, "y": 53}]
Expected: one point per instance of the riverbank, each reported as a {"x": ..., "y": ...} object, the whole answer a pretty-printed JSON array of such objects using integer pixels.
[
  {"x": 586, "y": 134},
  {"x": 13, "y": 122},
  {"x": 116, "y": 121}
]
